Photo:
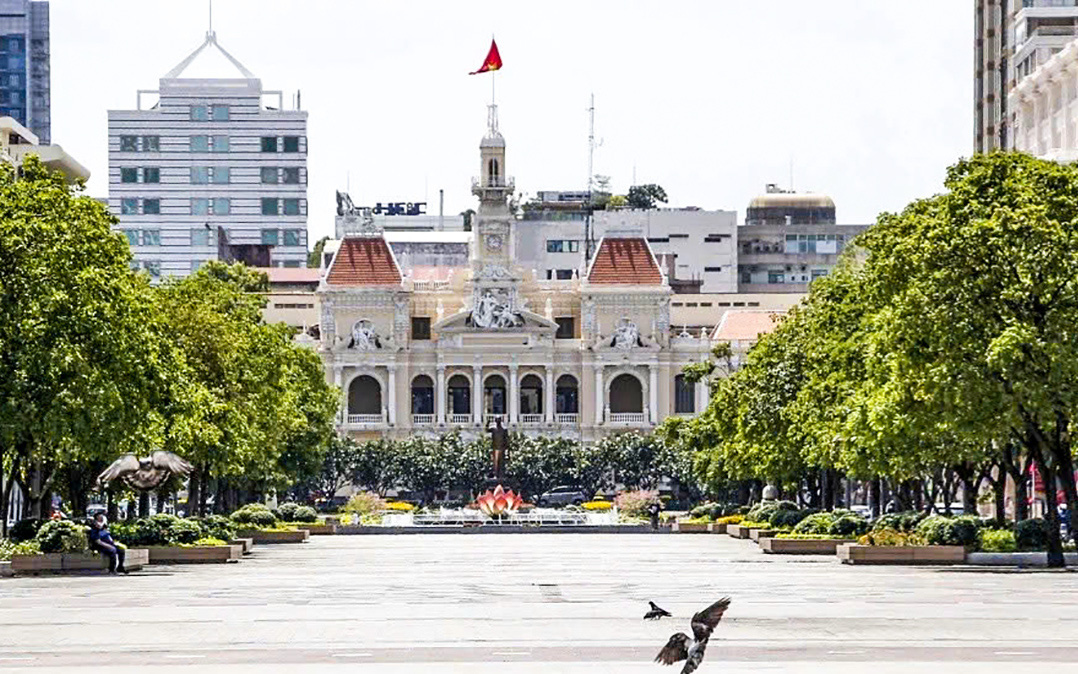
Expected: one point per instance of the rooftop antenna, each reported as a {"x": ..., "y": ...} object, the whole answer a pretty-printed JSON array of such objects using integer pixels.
[
  {"x": 592, "y": 144},
  {"x": 210, "y": 32}
]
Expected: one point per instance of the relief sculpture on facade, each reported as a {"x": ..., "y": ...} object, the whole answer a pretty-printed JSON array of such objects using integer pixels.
[{"x": 493, "y": 310}]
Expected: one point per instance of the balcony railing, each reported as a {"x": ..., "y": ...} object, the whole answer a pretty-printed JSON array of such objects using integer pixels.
[
  {"x": 633, "y": 418},
  {"x": 531, "y": 419},
  {"x": 489, "y": 419},
  {"x": 430, "y": 285},
  {"x": 460, "y": 419},
  {"x": 567, "y": 418},
  {"x": 366, "y": 419},
  {"x": 422, "y": 419},
  {"x": 507, "y": 183}
]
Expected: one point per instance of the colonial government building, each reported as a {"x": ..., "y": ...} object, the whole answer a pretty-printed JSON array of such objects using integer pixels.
[{"x": 428, "y": 350}]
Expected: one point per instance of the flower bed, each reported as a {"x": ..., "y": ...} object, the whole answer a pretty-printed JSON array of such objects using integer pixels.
[
  {"x": 854, "y": 553},
  {"x": 319, "y": 529},
  {"x": 779, "y": 545},
  {"x": 757, "y": 534},
  {"x": 272, "y": 536},
  {"x": 689, "y": 527},
  {"x": 195, "y": 554},
  {"x": 60, "y": 562}
]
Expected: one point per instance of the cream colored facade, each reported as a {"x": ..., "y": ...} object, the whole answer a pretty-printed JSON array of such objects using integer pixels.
[
  {"x": 580, "y": 358},
  {"x": 1045, "y": 105}
]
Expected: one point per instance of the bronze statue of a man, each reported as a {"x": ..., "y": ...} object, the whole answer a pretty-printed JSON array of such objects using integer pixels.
[{"x": 499, "y": 440}]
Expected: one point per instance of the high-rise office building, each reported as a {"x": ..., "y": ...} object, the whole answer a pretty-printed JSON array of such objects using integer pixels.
[
  {"x": 24, "y": 65},
  {"x": 1012, "y": 38},
  {"x": 210, "y": 169}
]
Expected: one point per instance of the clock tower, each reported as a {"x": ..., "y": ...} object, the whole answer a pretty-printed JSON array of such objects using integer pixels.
[{"x": 495, "y": 277}]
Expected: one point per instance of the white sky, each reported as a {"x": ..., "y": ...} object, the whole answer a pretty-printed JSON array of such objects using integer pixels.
[{"x": 871, "y": 100}]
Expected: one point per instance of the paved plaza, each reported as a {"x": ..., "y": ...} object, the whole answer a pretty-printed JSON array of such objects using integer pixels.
[{"x": 542, "y": 603}]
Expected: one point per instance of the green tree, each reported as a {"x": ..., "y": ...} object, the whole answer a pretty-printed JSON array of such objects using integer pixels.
[
  {"x": 84, "y": 373},
  {"x": 645, "y": 196},
  {"x": 250, "y": 280},
  {"x": 314, "y": 258}
]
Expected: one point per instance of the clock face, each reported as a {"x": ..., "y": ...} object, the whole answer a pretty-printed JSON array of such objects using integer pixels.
[{"x": 494, "y": 242}]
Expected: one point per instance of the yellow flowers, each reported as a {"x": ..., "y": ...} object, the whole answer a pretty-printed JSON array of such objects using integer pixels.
[
  {"x": 400, "y": 506},
  {"x": 597, "y": 505}
]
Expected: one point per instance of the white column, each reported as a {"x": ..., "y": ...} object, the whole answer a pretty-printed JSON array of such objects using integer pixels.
[
  {"x": 599, "y": 405},
  {"x": 549, "y": 394},
  {"x": 701, "y": 396},
  {"x": 439, "y": 396},
  {"x": 653, "y": 391},
  {"x": 391, "y": 395},
  {"x": 338, "y": 380},
  {"x": 477, "y": 395},
  {"x": 514, "y": 395}
]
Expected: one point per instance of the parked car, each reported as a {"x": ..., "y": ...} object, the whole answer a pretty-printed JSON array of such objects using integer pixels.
[{"x": 561, "y": 496}]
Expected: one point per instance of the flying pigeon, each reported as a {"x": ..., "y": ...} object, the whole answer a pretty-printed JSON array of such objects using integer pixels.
[
  {"x": 681, "y": 647},
  {"x": 146, "y": 473},
  {"x": 656, "y": 613}
]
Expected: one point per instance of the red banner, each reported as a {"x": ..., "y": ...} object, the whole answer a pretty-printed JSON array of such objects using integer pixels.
[{"x": 492, "y": 62}]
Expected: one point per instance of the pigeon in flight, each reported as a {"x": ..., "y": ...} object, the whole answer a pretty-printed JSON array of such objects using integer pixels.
[
  {"x": 656, "y": 613},
  {"x": 681, "y": 647},
  {"x": 146, "y": 473}
]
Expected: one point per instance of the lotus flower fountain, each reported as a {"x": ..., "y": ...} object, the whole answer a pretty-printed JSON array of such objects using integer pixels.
[{"x": 498, "y": 502}]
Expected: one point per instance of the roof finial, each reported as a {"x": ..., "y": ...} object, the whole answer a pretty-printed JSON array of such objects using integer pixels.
[{"x": 210, "y": 31}]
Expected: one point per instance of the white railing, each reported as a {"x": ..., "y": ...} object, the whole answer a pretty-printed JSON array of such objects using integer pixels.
[
  {"x": 366, "y": 419},
  {"x": 568, "y": 418},
  {"x": 422, "y": 419},
  {"x": 489, "y": 419},
  {"x": 429, "y": 285},
  {"x": 531, "y": 419},
  {"x": 626, "y": 417},
  {"x": 460, "y": 419}
]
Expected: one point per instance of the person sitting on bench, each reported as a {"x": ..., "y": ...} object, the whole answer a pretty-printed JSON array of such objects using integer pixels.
[{"x": 101, "y": 541}]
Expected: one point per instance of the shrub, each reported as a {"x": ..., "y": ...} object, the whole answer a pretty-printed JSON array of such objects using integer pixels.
[
  {"x": 998, "y": 540},
  {"x": 401, "y": 506},
  {"x": 287, "y": 512},
  {"x": 749, "y": 524},
  {"x": 891, "y": 537},
  {"x": 597, "y": 505},
  {"x": 848, "y": 526},
  {"x": 62, "y": 536},
  {"x": 730, "y": 519},
  {"x": 24, "y": 530},
  {"x": 635, "y": 503},
  {"x": 940, "y": 530},
  {"x": 139, "y": 533},
  {"x": 210, "y": 541},
  {"x": 183, "y": 532},
  {"x": 818, "y": 523},
  {"x": 219, "y": 527},
  {"x": 1031, "y": 535},
  {"x": 254, "y": 514},
  {"x": 10, "y": 547},
  {"x": 788, "y": 518},
  {"x": 811, "y": 537},
  {"x": 305, "y": 514},
  {"x": 904, "y": 521},
  {"x": 366, "y": 503}
]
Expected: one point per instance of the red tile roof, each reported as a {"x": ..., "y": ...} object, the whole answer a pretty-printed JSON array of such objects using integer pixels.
[
  {"x": 740, "y": 325},
  {"x": 363, "y": 261},
  {"x": 625, "y": 261}
]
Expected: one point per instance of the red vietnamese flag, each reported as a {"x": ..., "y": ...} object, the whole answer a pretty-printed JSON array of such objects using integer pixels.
[{"x": 492, "y": 62}]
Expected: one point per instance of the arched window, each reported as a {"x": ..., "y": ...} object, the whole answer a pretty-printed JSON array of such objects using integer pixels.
[
  {"x": 460, "y": 395},
  {"x": 626, "y": 395},
  {"x": 531, "y": 395},
  {"x": 364, "y": 395},
  {"x": 684, "y": 396},
  {"x": 566, "y": 394},
  {"x": 422, "y": 395},
  {"x": 494, "y": 395},
  {"x": 492, "y": 173}
]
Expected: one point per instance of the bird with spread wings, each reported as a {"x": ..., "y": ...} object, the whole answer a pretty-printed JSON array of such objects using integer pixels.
[
  {"x": 691, "y": 650},
  {"x": 146, "y": 473}
]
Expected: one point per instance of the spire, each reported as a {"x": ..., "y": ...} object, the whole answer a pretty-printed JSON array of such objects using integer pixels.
[
  {"x": 211, "y": 40},
  {"x": 492, "y": 121}
]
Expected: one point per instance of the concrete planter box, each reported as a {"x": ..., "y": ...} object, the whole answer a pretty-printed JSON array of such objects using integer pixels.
[
  {"x": 737, "y": 531},
  {"x": 851, "y": 553},
  {"x": 690, "y": 528},
  {"x": 245, "y": 543},
  {"x": 271, "y": 537},
  {"x": 1016, "y": 558},
  {"x": 5, "y": 570},
  {"x": 716, "y": 528},
  {"x": 801, "y": 546},
  {"x": 135, "y": 559},
  {"x": 761, "y": 534},
  {"x": 201, "y": 554},
  {"x": 319, "y": 529}
]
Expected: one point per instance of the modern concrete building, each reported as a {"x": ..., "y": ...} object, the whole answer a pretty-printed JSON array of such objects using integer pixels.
[
  {"x": 788, "y": 240},
  {"x": 1045, "y": 105},
  {"x": 1012, "y": 38},
  {"x": 16, "y": 141},
  {"x": 24, "y": 65},
  {"x": 210, "y": 168}
]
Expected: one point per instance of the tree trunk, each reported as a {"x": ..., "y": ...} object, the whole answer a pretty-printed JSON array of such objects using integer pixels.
[
  {"x": 971, "y": 478},
  {"x": 827, "y": 487},
  {"x": 144, "y": 504},
  {"x": 875, "y": 497},
  {"x": 1051, "y": 516},
  {"x": 204, "y": 492},
  {"x": 112, "y": 509},
  {"x": 7, "y": 490},
  {"x": 1070, "y": 493},
  {"x": 194, "y": 491},
  {"x": 34, "y": 497}
]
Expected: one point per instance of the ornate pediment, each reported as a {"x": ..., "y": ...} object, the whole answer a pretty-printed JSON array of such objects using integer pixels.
[{"x": 525, "y": 321}]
